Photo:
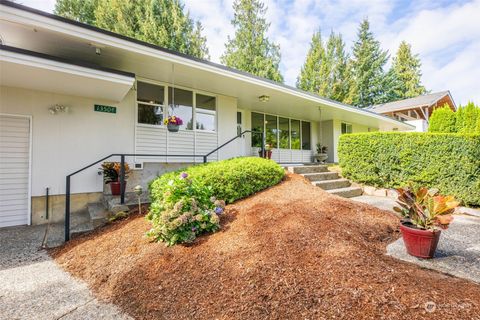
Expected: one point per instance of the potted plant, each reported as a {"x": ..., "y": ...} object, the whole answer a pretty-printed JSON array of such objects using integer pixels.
[
  {"x": 321, "y": 155},
  {"x": 424, "y": 213},
  {"x": 173, "y": 123},
  {"x": 111, "y": 174},
  {"x": 268, "y": 152}
]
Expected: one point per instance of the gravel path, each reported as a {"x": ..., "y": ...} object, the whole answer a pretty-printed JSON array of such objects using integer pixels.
[{"x": 32, "y": 286}]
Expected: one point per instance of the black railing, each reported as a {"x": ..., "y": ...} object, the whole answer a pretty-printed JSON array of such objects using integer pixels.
[{"x": 122, "y": 171}]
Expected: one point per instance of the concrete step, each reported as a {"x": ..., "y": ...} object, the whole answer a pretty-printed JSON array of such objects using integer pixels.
[
  {"x": 98, "y": 214},
  {"x": 321, "y": 176},
  {"x": 308, "y": 169},
  {"x": 332, "y": 184},
  {"x": 348, "y": 192},
  {"x": 112, "y": 203},
  {"x": 80, "y": 222}
]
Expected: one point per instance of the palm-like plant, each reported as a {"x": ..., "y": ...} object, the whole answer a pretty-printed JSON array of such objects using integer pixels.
[{"x": 425, "y": 208}]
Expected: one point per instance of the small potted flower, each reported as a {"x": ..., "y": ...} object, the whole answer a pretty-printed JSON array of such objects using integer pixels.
[
  {"x": 173, "y": 123},
  {"x": 111, "y": 175},
  {"x": 321, "y": 155},
  {"x": 267, "y": 154},
  {"x": 425, "y": 213}
]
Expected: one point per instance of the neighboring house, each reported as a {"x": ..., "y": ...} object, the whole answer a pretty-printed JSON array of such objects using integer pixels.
[
  {"x": 72, "y": 94},
  {"x": 416, "y": 111}
]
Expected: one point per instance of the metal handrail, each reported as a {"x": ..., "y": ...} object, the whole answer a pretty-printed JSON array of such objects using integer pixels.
[
  {"x": 234, "y": 138},
  {"x": 122, "y": 179},
  {"x": 122, "y": 171}
]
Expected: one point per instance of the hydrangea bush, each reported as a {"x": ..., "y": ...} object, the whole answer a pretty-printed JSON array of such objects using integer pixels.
[{"x": 185, "y": 210}]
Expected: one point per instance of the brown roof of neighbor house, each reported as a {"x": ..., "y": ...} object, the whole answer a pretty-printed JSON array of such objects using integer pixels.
[{"x": 420, "y": 101}]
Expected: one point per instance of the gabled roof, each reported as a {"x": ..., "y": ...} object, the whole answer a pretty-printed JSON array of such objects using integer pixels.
[{"x": 425, "y": 100}]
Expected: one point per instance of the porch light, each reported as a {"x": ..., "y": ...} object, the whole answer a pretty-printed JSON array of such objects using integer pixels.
[
  {"x": 264, "y": 98},
  {"x": 57, "y": 109}
]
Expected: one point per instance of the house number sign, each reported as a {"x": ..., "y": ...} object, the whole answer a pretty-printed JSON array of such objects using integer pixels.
[{"x": 102, "y": 108}]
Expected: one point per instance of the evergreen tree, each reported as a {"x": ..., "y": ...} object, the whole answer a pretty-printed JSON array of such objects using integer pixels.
[
  {"x": 467, "y": 118},
  {"x": 160, "y": 22},
  {"x": 250, "y": 50},
  {"x": 442, "y": 120},
  {"x": 309, "y": 78},
  {"x": 406, "y": 67},
  {"x": 337, "y": 65},
  {"x": 325, "y": 69},
  {"x": 83, "y": 11},
  {"x": 368, "y": 85}
]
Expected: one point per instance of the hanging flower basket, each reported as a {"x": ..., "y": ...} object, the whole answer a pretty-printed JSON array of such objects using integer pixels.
[{"x": 173, "y": 123}]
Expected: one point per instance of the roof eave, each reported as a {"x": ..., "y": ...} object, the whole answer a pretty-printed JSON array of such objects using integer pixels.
[{"x": 26, "y": 15}]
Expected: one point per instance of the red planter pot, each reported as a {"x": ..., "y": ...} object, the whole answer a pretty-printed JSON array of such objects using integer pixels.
[
  {"x": 268, "y": 154},
  {"x": 115, "y": 187},
  {"x": 420, "y": 243}
]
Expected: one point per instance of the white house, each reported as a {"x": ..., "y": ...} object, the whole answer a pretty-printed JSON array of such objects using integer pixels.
[{"x": 71, "y": 94}]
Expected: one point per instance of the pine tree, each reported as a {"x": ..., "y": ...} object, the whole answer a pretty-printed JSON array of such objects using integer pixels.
[
  {"x": 83, "y": 11},
  {"x": 160, "y": 22},
  {"x": 406, "y": 67},
  {"x": 367, "y": 86},
  {"x": 337, "y": 62},
  {"x": 325, "y": 69},
  {"x": 250, "y": 50},
  {"x": 309, "y": 78}
]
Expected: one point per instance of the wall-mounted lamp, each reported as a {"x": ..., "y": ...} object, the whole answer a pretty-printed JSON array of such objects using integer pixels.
[
  {"x": 264, "y": 98},
  {"x": 57, "y": 109}
]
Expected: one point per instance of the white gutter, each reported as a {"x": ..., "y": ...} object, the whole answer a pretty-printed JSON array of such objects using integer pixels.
[{"x": 28, "y": 18}]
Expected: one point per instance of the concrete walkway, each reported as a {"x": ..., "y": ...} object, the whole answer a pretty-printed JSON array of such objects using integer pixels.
[
  {"x": 458, "y": 252},
  {"x": 32, "y": 286}
]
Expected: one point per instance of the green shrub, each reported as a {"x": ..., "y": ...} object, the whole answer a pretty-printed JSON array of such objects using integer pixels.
[
  {"x": 465, "y": 120},
  {"x": 447, "y": 161},
  {"x": 185, "y": 210},
  {"x": 230, "y": 180},
  {"x": 184, "y": 203},
  {"x": 442, "y": 120}
]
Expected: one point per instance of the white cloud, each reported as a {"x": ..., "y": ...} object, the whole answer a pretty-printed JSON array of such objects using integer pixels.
[{"x": 445, "y": 35}]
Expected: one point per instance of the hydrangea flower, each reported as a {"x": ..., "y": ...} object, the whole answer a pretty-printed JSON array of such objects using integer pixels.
[
  {"x": 184, "y": 175},
  {"x": 218, "y": 210}
]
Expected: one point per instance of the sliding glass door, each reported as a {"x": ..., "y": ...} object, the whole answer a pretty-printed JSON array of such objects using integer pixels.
[{"x": 281, "y": 132}]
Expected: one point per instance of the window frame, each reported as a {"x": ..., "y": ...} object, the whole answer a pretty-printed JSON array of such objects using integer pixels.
[
  {"x": 347, "y": 125},
  {"x": 290, "y": 137},
  {"x": 166, "y": 108},
  {"x": 205, "y": 111},
  {"x": 137, "y": 102}
]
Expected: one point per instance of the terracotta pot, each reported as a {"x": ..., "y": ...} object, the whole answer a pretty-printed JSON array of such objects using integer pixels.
[
  {"x": 173, "y": 127},
  {"x": 420, "y": 243},
  {"x": 268, "y": 154},
  {"x": 115, "y": 187}
]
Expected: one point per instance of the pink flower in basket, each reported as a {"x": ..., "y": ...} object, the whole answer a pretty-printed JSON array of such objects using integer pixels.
[{"x": 173, "y": 120}]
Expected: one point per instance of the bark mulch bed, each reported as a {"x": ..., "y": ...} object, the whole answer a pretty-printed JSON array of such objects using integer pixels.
[{"x": 290, "y": 252}]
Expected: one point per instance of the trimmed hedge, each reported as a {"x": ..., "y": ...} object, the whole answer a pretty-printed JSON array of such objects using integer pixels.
[
  {"x": 447, "y": 161},
  {"x": 230, "y": 180}
]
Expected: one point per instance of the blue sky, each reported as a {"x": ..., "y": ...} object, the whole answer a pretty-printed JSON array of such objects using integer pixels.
[{"x": 446, "y": 34}]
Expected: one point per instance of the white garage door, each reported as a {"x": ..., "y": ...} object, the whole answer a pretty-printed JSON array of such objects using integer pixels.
[{"x": 14, "y": 170}]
